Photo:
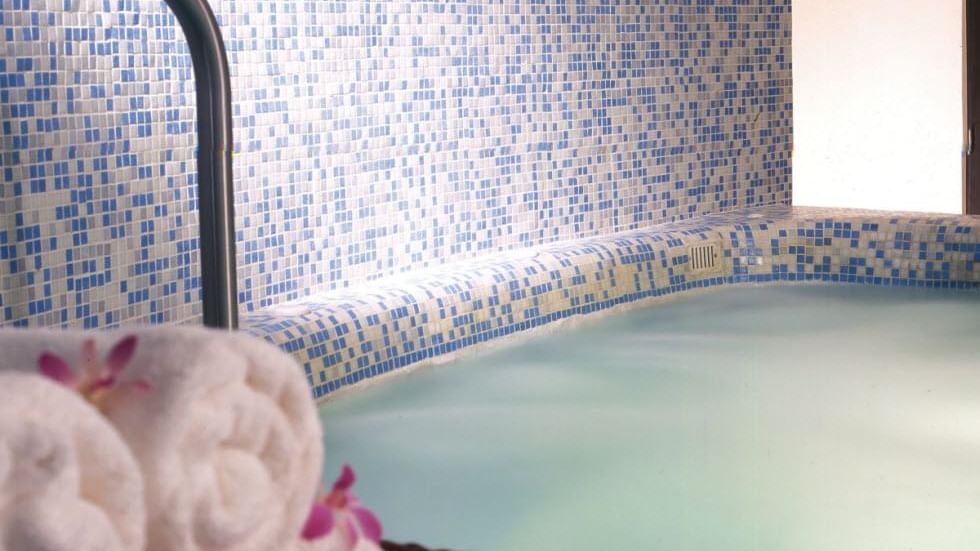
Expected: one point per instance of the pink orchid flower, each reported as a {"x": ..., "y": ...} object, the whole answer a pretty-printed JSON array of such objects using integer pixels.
[
  {"x": 95, "y": 380},
  {"x": 341, "y": 512}
]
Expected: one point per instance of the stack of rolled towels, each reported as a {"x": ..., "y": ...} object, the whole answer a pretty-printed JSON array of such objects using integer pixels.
[{"x": 163, "y": 439}]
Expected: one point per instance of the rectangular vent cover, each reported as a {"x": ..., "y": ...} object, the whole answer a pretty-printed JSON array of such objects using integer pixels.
[{"x": 703, "y": 258}]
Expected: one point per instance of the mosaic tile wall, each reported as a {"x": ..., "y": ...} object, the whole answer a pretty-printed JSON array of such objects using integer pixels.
[
  {"x": 373, "y": 138},
  {"x": 98, "y": 220},
  {"x": 390, "y": 136},
  {"x": 343, "y": 338}
]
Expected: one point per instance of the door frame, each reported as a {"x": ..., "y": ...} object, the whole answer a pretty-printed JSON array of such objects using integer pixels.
[{"x": 971, "y": 107}]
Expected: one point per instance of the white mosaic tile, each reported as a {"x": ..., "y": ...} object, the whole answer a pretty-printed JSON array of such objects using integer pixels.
[{"x": 372, "y": 138}]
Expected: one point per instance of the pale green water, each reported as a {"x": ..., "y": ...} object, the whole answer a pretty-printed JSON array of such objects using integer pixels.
[{"x": 763, "y": 419}]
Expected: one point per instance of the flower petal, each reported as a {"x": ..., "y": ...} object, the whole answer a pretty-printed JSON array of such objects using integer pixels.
[
  {"x": 368, "y": 522},
  {"x": 89, "y": 359},
  {"x": 318, "y": 523},
  {"x": 345, "y": 480},
  {"x": 121, "y": 354},
  {"x": 350, "y": 534},
  {"x": 55, "y": 368},
  {"x": 101, "y": 384},
  {"x": 140, "y": 385}
]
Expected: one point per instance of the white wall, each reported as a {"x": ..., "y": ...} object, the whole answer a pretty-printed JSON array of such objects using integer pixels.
[{"x": 878, "y": 104}]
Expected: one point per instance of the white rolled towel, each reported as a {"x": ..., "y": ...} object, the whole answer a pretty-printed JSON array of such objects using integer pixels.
[
  {"x": 335, "y": 543},
  {"x": 67, "y": 480},
  {"x": 226, "y": 433}
]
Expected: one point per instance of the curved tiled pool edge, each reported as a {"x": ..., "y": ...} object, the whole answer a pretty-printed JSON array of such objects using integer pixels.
[{"x": 345, "y": 338}]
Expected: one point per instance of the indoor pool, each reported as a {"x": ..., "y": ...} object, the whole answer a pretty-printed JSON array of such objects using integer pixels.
[{"x": 783, "y": 418}]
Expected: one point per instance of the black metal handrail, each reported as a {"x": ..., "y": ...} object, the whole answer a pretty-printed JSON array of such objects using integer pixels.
[{"x": 216, "y": 190}]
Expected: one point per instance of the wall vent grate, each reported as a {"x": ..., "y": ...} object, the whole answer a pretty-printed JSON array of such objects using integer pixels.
[{"x": 703, "y": 258}]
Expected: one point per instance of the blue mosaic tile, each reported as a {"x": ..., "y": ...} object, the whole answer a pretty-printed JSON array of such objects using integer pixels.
[
  {"x": 373, "y": 138},
  {"x": 98, "y": 191}
]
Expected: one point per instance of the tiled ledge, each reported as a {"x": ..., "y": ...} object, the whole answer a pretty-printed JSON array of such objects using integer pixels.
[{"x": 342, "y": 338}]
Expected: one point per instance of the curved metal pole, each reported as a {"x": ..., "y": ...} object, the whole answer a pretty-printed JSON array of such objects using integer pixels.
[{"x": 216, "y": 190}]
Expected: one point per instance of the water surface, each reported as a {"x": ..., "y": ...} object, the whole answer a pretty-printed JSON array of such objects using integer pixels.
[{"x": 759, "y": 419}]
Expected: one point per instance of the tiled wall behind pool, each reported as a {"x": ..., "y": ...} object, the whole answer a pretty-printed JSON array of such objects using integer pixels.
[
  {"x": 372, "y": 138},
  {"x": 98, "y": 220},
  {"x": 345, "y": 337}
]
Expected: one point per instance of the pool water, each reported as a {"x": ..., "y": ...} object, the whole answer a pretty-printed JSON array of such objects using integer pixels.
[{"x": 783, "y": 418}]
